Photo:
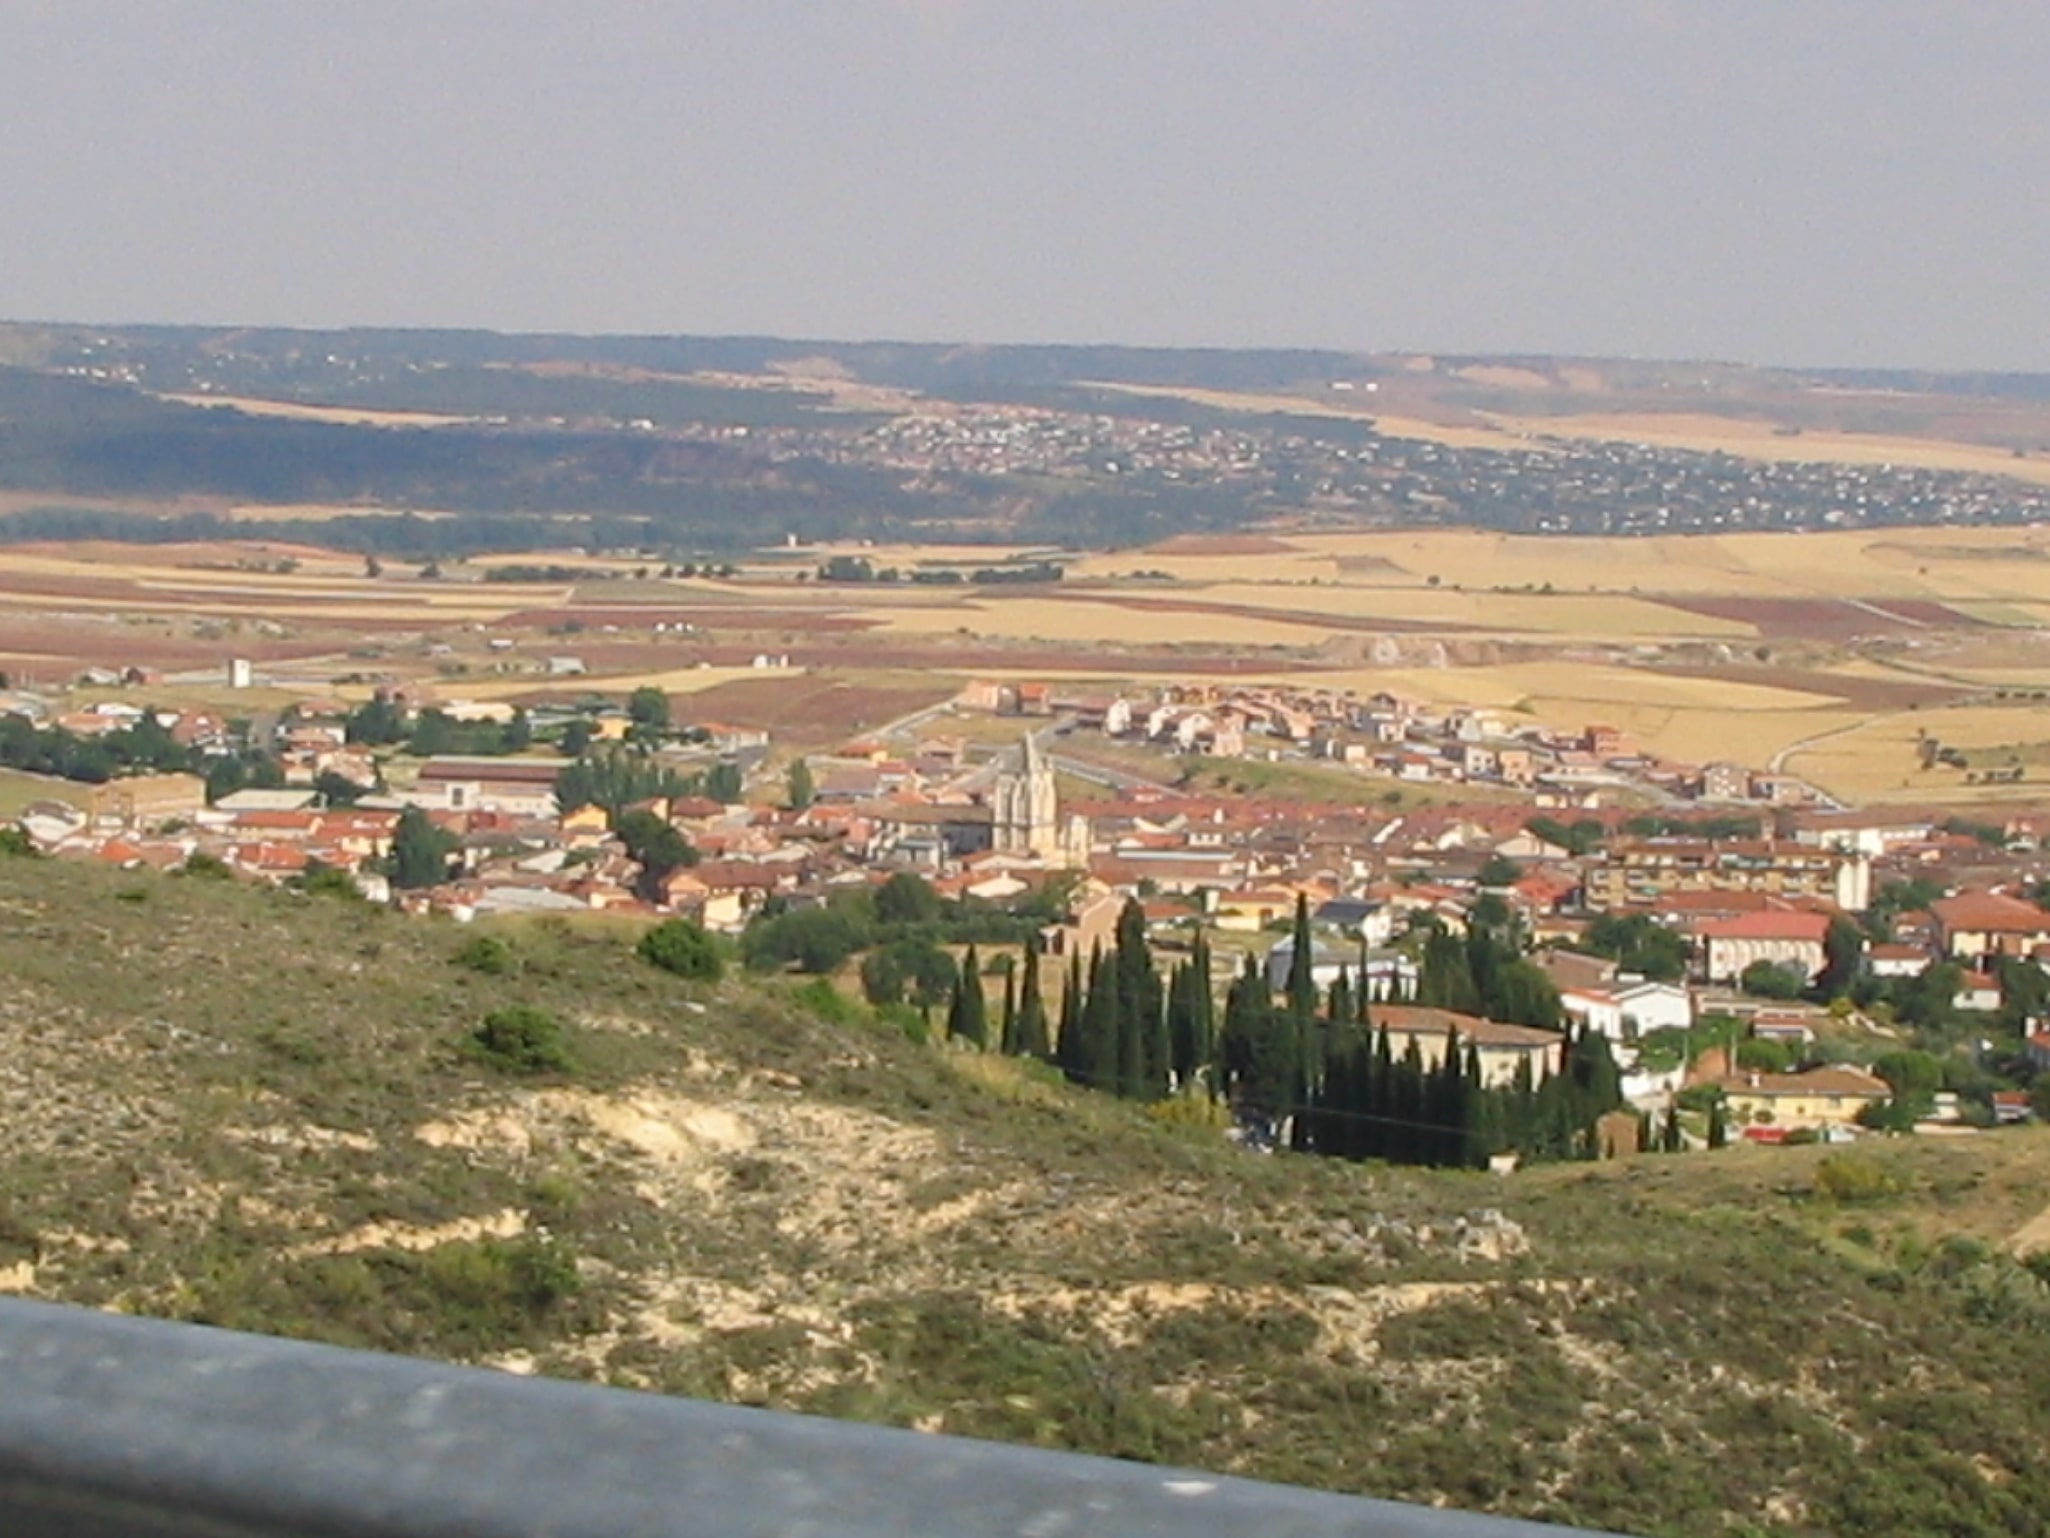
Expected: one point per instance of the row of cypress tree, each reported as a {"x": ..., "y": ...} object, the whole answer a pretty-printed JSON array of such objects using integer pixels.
[{"x": 1313, "y": 1065}]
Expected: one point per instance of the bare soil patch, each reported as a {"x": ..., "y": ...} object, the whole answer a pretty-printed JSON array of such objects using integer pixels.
[
  {"x": 1825, "y": 619},
  {"x": 1861, "y": 693},
  {"x": 816, "y": 709}
]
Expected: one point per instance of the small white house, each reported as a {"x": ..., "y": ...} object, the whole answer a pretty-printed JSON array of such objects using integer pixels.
[
  {"x": 1594, "y": 1009},
  {"x": 1650, "y": 1006}
]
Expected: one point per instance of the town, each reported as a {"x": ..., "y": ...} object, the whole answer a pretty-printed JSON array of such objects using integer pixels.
[{"x": 1759, "y": 962}]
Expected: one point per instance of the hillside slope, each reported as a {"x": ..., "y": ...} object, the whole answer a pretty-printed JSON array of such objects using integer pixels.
[{"x": 255, "y": 1109}]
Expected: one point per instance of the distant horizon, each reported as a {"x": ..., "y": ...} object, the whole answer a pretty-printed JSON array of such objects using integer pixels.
[{"x": 797, "y": 338}]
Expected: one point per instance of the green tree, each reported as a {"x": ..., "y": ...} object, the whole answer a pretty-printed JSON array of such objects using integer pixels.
[
  {"x": 376, "y": 723},
  {"x": 1770, "y": 980},
  {"x": 724, "y": 783},
  {"x": 1843, "y": 946},
  {"x": 908, "y": 970},
  {"x": 1031, "y": 1031},
  {"x": 811, "y": 939},
  {"x": 659, "y": 847},
  {"x": 1914, "y": 1077},
  {"x": 968, "y": 1013},
  {"x": 1096, "y": 1026},
  {"x": 337, "y": 789},
  {"x": 1763, "y": 1055},
  {"x": 683, "y": 947},
  {"x": 1498, "y": 871},
  {"x": 1638, "y": 943},
  {"x": 648, "y": 707},
  {"x": 522, "y": 1039},
  {"x": 420, "y": 851},
  {"x": 906, "y": 898},
  {"x": 1142, "y": 1050},
  {"x": 802, "y": 789},
  {"x": 1007, "y": 1033},
  {"x": 1257, "y": 1049}
]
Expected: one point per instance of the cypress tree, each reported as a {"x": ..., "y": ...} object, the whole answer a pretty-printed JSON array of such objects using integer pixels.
[
  {"x": 1031, "y": 1006},
  {"x": 1067, "y": 1052},
  {"x": 1448, "y": 1110},
  {"x": 1670, "y": 1140},
  {"x": 1142, "y": 1059},
  {"x": 1718, "y": 1126},
  {"x": 1256, "y": 1049},
  {"x": 1007, "y": 1036},
  {"x": 1099, "y": 1026},
  {"x": 957, "y": 1009},
  {"x": 1341, "y": 1009},
  {"x": 1520, "y": 1110},
  {"x": 1446, "y": 979},
  {"x": 1302, "y": 1002},
  {"x": 1181, "y": 1025},
  {"x": 1381, "y": 1098},
  {"x": 1204, "y": 1012},
  {"x": 1483, "y": 1129},
  {"x": 1406, "y": 1126},
  {"x": 1302, "y": 976},
  {"x": 974, "y": 1025}
]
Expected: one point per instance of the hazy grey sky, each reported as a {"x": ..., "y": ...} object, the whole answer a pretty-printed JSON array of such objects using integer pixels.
[{"x": 1808, "y": 181}]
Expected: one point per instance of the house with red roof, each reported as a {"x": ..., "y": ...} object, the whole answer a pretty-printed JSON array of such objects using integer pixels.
[{"x": 1975, "y": 925}]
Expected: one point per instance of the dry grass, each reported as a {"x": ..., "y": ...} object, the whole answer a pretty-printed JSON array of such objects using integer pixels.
[
  {"x": 18, "y": 790},
  {"x": 1878, "y": 761},
  {"x": 670, "y": 681},
  {"x": 298, "y": 411},
  {"x": 1030, "y": 619}
]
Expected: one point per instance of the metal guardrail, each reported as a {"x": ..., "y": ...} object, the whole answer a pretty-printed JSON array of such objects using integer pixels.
[{"x": 115, "y": 1427}]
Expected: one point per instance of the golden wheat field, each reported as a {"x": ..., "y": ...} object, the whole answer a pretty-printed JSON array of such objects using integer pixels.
[
  {"x": 1879, "y": 760},
  {"x": 1697, "y": 647}
]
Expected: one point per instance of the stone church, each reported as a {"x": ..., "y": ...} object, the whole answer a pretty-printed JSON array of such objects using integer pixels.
[{"x": 1026, "y": 817}]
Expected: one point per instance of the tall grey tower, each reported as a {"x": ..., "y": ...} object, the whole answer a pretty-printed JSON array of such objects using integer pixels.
[{"x": 1027, "y": 816}]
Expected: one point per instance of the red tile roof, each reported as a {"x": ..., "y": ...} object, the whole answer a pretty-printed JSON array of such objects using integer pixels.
[
  {"x": 1765, "y": 926},
  {"x": 1990, "y": 913}
]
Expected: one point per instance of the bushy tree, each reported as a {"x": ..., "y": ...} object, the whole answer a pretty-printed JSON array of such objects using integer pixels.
[
  {"x": 1770, "y": 980},
  {"x": 522, "y": 1039},
  {"x": 906, "y": 898},
  {"x": 683, "y": 947},
  {"x": 420, "y": 851},
  {"x": 1638, "y": 943},
  {"x": 648, "y": 708},
  {"x": 811, "y": 939}
]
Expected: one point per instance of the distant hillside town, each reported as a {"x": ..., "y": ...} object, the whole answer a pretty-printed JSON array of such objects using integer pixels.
[{"x": 1755, "y": 963}]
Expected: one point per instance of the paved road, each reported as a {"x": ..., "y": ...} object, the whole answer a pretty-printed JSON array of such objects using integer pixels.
[{"x": 1098, "y": 774}]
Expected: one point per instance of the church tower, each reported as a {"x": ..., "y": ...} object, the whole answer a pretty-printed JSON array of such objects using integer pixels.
[{"x": 1027, "y": 816}]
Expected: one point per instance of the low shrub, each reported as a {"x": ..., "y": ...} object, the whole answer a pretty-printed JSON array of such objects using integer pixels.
[
  {"x": 1849, "y": 1179},
  {"x": 684, "y": 948},
  {"x": 522, "y": 1039},
  {"x": 485, "y": 953}
]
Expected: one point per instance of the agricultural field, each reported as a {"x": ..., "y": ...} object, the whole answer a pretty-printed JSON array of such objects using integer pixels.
[
  {"x": 1825, "y": 650},
  {"x": 19, "y": 791},
  {"x": 1524, "y": 409}
]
